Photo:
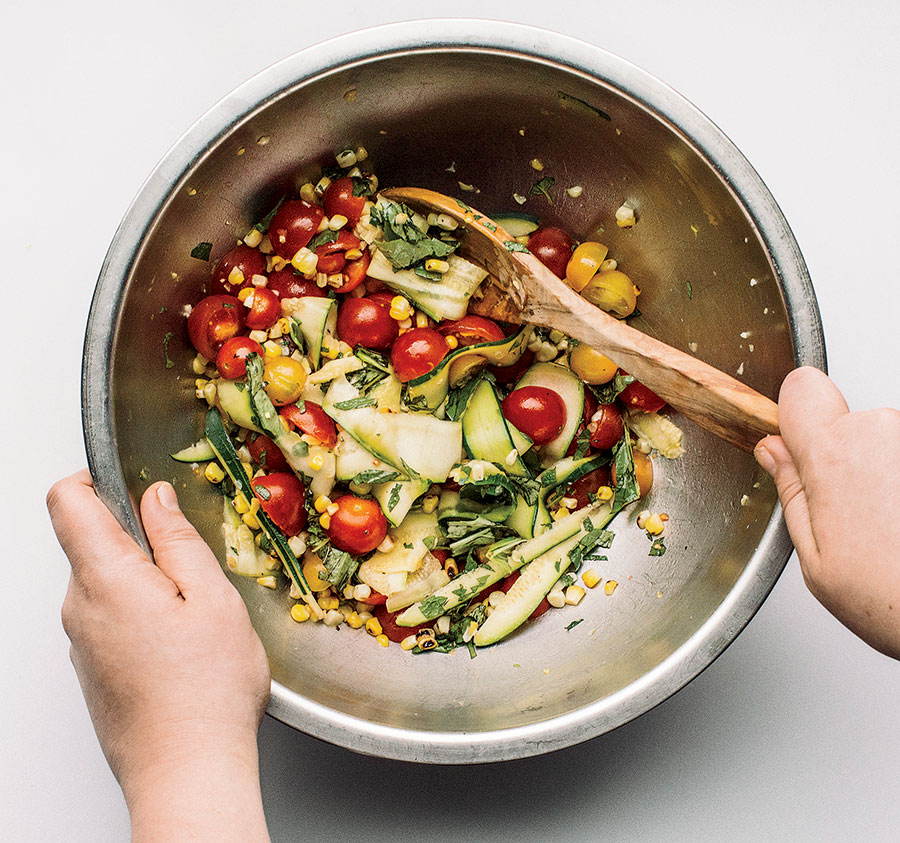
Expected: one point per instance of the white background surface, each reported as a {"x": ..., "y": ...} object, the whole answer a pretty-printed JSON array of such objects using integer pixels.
[{"x": 792, "y": 735}]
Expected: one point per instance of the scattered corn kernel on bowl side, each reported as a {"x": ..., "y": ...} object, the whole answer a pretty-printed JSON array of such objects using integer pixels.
[{"x": 470, "y": 108}]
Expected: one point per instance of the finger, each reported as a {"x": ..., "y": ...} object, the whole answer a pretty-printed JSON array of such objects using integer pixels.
[
  {"x": 773, "y": 455},
  {"x": 92, "y": 539},
  {"x": 808, "y": 404},
  {"x": 179, "y": 551}
]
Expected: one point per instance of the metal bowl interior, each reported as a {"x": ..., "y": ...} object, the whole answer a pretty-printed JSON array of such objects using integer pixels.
[{"x": 720, "y": 275}]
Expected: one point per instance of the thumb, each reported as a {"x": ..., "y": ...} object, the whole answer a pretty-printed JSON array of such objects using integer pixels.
[
  {"x": 179, "y": 551},
  {"x": 773, "y": 455}
]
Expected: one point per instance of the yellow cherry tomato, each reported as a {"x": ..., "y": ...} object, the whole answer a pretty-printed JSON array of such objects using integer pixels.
[
  {"x": 643, "y": 472},
  {"x": 590, "y": 365},
  {"x": 314, "y": 573},
  {"x": 284, "y": 378},
  {"x": 613, "y": 291},
  {"x": 584, "y": 263}
]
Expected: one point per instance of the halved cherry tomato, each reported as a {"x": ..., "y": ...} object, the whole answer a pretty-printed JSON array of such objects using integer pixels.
[
  {"x": 266, "y": 453},
  {"x": 339, "y": 199},
  {"x": 376, "y": 598},
  {"x": 312, "y": 420},
  {"x": 331, "y": 255},
  {"x": 214, "y": 320},
  {"x": 472, "y": 329},
  {"x": 355, "y": 272},
  {"x": 367, "y": 322},
  {"x": 536, "y": 411},
  {"x": 417, "y": 352},
  {"x": 231, "y": 361},
  {"x": 590, "y": 406},
  {"x": 281, "y": 497},
  {"x": 248, "y": 262},
  {"x": 507, "y": 583},
  {"x": 293, "y": 226},
  {"x": 606, "y": 426},
  {"x": 510, "y": 374},
  {"x": 441, "y": 555},
  {"x": 384, "y": 297},
  {"x": 284, "y": 379},
  {"x": 587, "y": 485},
  {"x": 358, "y": 526},
  {"x": 265, "y": 309},
  {"x": 388, "y": 621},
  {"x": 553, "y": 248},
  {"x": 638, "y": 396},
  {"x": 288, "y": 284}
]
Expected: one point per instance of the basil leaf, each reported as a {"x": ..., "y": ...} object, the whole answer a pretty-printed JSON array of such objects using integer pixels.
[
  {"x": 166, "y": 338},
  {"x": 201, "y": 251},
  {"x": 512, "y": 246},
  {"x": 403, "y": 254},
  {"x": 608, "y": 393},
  {"x": 263, "y": 225},
  {"x": 355, "y": 403},
  {"x": 542, "y": 187},
  {"x": 374, "y": 475},
  {"x": 322, "y": 238}
]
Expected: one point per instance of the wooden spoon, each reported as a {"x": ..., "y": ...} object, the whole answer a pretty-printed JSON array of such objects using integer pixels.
[{"x": 532, "y": 293}]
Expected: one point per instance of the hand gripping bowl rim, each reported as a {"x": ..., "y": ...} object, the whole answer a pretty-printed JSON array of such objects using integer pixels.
[{"x": 522, "y": 43}]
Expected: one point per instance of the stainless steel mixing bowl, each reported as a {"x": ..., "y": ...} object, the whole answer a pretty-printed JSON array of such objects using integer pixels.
[{"x": 476, "y": 101}]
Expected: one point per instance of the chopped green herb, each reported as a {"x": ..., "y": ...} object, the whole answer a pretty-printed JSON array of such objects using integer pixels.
[
  {"x": 574, "y": 624},
  {"x": 608, "y": 393},
  {"x": 321, "y": 239},
  {"x": 689, "y": 288},
  {"x": 403, "y": 254},
  {"x": 374, "y": 475},
  {"x": 297, "y": 337},
  {"x": 166, "y": 338},
  {"x": 489, "y": 225},
  {"x": 658, "y": 546},
  {"x": 582, "y": 444},
  {"x": 433, "y": 607},
  {"x": 512, "y": 246},
  {"x": 262, "y": 492},
  {"x": 263, "y": 225},
  {"x": 462, "y": 205},
  {"x": 361, "y": 186},
  {"x": 542, "y": 187},
  {"x": 394, "y": 497},
  {"x": 202, "y": 251},
  {"x": 427, "y": 274},
  {"x": 567, "y": 100},
  {"x": 355, "y": 403}
]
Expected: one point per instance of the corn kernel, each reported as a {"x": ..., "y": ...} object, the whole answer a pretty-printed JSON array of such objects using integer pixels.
[
  {"x": 214, "y": 473},
  {"x": 361, "y": 153},
  {"x": 373, "y": 627},
  {"x": 353, "y": 254},
  {"x": 446, "y": 222},
  {"x": 299, "y": 612},
  {"x": 267, "y": 582},
  {"x": 362, "y": 591},
  {"x": 253, "y": 238},
  {"x": 346, "y": 159},
  {"x": 383, "y": 640},
  {"x": 259, "y": 336},
  {"x": 610, "y": 587},
  {"x": 386, "y": 546},
  {"x": 537, "y": 164},
  {"x": 308, "y": 192},
  {"x": 422, "y": 320},
  {"x": 354, "y": 621},
  {"x": 625, "y": 217},
  {"x": 272, "y": 563},
  {"x": 248, "y": 469},
  {"x": 556, "y": 598},
  {"x": 574, "y": 595},
  {"x": 559, "y": 514},
  {"x": 322, "y": 185},
  {"x": 405, "y": 324},
  {"x": 337, "y": 222},
  {"x": 575, "y": 190},
  {"x": 643, "y": 515},
  {"x": 259, "y": 281},
  {"x": 305, "y": 261},
  {"x": 332, "y": 509},
  {"x": 325, "y": 521},
  {"x": 654, "y": 525},
  {"x": 241, "y": 504},
  {"x": 437, "y": 265},
  {"x": 317, "y": 462},
  {"x": 408, "y": 643},
  {"x": 235, "y": 277},
  {"x": 272, "y": 349},
  {"x": 604, "y": 493},
  {"x": 591, "y": 578},
  {"x": 254, "y": 505},
  {"x": 333, "y": 618},
  {"x": 198, "y": 365},
  {"x": 250, "y": 520},
  {"x": 429, "y": 504},
  {"x": 322, "y": 503},
  {"x": 245, "y": 294}
]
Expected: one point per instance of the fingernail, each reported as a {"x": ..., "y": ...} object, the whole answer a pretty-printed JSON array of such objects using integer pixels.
[
  {"x": 764, "y": 458},
  {"x": 167, "y": 497}
]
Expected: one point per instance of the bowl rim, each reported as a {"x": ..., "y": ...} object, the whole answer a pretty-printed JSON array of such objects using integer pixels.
[{"x": 521, "y": 42}]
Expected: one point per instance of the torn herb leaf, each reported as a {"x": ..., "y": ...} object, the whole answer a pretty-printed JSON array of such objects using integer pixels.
[
  {"x": 394, "y": 497},
  {"x": 202, "y": 251},
  {"x": 572, "y": 625},
  {"x": 542, "y": 188},
  {"x": 512, "y": 246},
  {"x": 322, "y": 239},
  {"x": 608, "y": 392},
  {"x": 355, "y": 403},
  {"x": 166, "y": 338},
  {"x": 374, "y": 475},
  {"x": 404, "y": 254},
  {"x": 263, "y": 225},
  {"x": 658, "y": 546}
]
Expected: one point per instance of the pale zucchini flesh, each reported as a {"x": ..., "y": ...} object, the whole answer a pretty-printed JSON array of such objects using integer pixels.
[{"x": 565, "y": 383}]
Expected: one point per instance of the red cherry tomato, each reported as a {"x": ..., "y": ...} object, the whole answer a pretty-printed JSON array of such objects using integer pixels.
[
  {"x": 384, "y": 297},
  {"x": 606, "y": 430},
  {"x": 587, "y": 485},
  {"x": 247, "y": 261},
  {"x": 281, "y": 497},
  {"x": 214, "y": 320},
  {"x": 288, "y": 284},
  {"x": 339, "y": 199},
  {"x": 358, "y": 526},
  {"x": 638, "y": 396},
  {"x": 355, "y": 272},
  {"x": 367, "y": 322},
  {"x": 536, "y": 411},
  {"x": 312, "y": 420},
  {"x": 376, "y": 598},
  {"x": 441, "y": 555},
  {"x": 266, "y": 453},
  {"x": 231, "y": 361},
  {"x": 417, "y": 352},
  {"x": 510, "y": 374},
  {"x": 553, "y": 248},
  {"x": 331, "y": 255},
  {"x": 293, "y": 226},
  {"x": 472, "y": 329},
  {"x": 265, "y": 310},
  {"x": 508, "y": 583},
  {"x": 388, "y": 621}
]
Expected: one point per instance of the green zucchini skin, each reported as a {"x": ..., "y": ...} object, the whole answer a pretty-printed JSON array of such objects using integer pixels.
[
  {"x": 565, "y": 383},
  {"x": 198, "y": 452},
  {"x": 486, "y": 435}
]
